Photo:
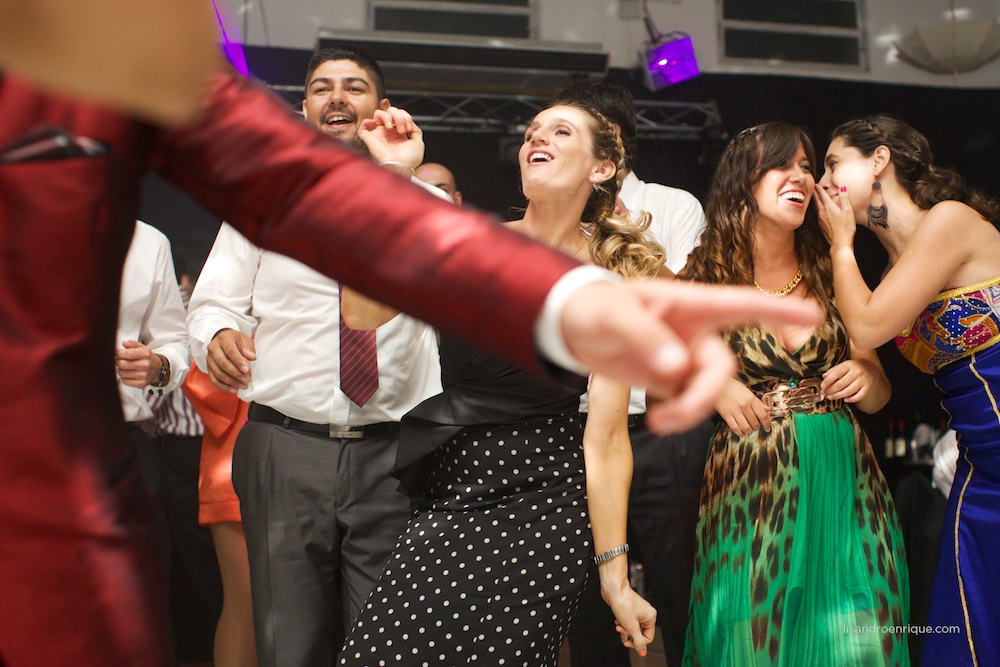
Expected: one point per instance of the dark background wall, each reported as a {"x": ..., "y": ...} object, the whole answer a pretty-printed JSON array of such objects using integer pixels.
[{"x": 961, "y": 125}]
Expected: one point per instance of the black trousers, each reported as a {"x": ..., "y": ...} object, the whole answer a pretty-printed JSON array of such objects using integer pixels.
[
  {"x": 168, "y": 465},
  {"x": 921, "y": 509},
  {"x": 662, "y": 518},
  {"x": 195, "y": 580}
]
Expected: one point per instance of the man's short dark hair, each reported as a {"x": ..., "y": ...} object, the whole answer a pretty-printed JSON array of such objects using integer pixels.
[
  {"x": 356, "y": 56},
  {"x": 614, "y": 102}
]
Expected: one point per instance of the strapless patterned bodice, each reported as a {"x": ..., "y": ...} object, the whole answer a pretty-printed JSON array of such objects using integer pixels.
[{"x": 958, "y": 323}]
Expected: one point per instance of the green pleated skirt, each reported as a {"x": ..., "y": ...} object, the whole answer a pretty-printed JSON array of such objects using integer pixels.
[{"x": 800, "y": 555}]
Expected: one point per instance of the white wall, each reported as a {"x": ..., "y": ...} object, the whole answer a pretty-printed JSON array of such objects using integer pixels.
[{"x": 294, "y": 23}]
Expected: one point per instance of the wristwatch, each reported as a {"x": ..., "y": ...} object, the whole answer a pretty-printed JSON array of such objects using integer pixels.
[{"x": 164, "y": 372}]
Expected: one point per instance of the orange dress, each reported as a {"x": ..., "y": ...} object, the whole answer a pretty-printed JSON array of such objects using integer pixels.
[{"x": 224, "y": 415}]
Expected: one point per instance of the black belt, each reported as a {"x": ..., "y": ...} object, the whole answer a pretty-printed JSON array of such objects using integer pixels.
[
  {"x": 633, "y": 420},
  {"x": 262, "y": 413}
]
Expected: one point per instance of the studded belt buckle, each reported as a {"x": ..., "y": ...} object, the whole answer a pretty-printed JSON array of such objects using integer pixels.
[{"x": 793, "y": 397}]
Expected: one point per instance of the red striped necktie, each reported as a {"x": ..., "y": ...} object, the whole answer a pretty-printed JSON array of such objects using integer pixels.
[{"x": 358, "y": 363}]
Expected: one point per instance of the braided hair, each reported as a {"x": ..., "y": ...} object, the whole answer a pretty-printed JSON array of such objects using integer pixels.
[
  {"x": 925, "y": 183},
  {"x": 617, "y": 242}
]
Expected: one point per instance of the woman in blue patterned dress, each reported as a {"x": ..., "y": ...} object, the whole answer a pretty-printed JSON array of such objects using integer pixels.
[{"x": 940, "y": 299}]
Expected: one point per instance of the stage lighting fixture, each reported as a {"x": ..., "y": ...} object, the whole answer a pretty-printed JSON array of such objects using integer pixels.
[
  {"x": 666, "y": 59},
  {"x": 670, "y": 62}
]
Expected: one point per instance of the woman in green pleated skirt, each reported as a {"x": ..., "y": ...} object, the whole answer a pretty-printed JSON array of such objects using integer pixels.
[{"x": 800, "y": 557}]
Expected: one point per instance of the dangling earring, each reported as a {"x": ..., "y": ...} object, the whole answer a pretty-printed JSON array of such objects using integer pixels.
[
  {"x": 596, "y": 188},
  {"x": 878, "y": 215}
]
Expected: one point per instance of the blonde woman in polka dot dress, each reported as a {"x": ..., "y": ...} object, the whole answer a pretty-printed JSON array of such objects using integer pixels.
[{"x": 491, "y": 567}]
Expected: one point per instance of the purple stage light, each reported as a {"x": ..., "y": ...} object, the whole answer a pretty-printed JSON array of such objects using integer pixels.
[
  {"x": 670, "y": 62},
  {"x": 233, "y": 48}
]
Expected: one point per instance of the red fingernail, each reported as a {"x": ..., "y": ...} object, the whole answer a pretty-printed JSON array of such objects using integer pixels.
[{"x": 843, "y": 188}]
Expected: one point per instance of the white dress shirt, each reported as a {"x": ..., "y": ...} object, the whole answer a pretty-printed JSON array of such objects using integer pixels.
[
  {"x": 293, "y": 312},
  {"x": 677, "y": 223},
  {"x": 678, "y": 218},
  {"x": 151, "y": 312}
]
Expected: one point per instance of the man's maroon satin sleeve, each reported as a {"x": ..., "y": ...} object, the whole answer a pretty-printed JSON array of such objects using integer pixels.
[{"x": 290, "y": 189}]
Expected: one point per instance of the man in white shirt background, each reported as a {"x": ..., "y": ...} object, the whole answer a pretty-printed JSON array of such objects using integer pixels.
[
  {"x": 153, "y": 355},
  {"x": 311, "y": 466},
  {"x": 152, "y": 362},
  {"x": 666, "y": 481}
]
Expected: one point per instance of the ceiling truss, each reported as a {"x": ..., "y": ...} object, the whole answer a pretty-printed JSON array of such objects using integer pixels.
[{"x": 508, "y": 115}]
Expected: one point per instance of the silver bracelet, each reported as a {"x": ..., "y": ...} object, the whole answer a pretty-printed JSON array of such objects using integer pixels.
[
  {"x": 400, "y": 164},
  {"x": 611, "y": 553}
]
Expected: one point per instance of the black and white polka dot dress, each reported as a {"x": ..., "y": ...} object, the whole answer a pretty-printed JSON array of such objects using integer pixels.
[{"x": 490, "y": 569}]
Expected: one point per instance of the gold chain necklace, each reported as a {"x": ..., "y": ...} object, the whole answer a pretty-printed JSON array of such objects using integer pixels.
[{"x": 784, "y": 290}]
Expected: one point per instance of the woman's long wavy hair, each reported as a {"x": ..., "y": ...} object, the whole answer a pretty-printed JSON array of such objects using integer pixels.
[
  {"x": 725, "y": 254},
  {"x": 617, "y": 243},
  {"x": 911, "y": 156}
]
